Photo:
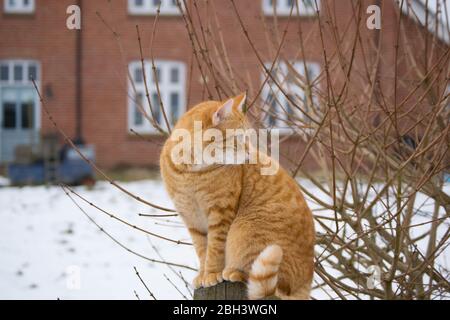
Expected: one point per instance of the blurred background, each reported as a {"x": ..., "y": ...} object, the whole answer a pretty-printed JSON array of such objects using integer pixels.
[{"x": 89, "y": 91}]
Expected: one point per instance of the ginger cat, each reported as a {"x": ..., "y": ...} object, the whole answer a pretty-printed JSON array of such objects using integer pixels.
[{"x": 245, "y": 226}]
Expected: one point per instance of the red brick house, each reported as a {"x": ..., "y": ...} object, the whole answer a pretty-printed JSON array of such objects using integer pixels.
[{"x": 83, "y": 74}]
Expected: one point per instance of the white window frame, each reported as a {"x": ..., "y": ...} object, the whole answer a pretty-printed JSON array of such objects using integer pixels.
[
  {"x": 280, "y": 71},
  {"x": 25, "y": 83},
  {"x": 25, "y": 63},
  {"x": 166, "y": 88},
  {"x": 149, "y": 8},
  {"x": 282, "y": 7},
  {"x": 19, "y": 7}
]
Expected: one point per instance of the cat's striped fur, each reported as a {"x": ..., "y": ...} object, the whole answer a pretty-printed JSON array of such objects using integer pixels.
[{"x": 245, "y": 226}]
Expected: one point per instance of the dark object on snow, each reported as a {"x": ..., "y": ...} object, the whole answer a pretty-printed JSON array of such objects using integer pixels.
[{"x": 57, "y": 165}]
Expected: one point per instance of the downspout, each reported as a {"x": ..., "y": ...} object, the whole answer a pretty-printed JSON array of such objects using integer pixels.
[
  {"x": 378, "y": 45},
  {"x": 78, "y": 84}
]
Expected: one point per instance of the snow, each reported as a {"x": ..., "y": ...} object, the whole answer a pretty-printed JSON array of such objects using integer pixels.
[
  {"x": 4, "y": 181},
  {"x": 46, "y": 243},
  {"x": 49, "y": 249}
]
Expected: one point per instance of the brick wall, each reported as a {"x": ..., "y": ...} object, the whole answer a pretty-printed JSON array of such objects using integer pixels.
[{"x": 44, "y": 37}]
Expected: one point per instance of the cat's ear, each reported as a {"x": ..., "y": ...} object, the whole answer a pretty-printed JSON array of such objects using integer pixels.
[
  {"x": 223, "y": 112},
  {"x": 241, "y": 99}
]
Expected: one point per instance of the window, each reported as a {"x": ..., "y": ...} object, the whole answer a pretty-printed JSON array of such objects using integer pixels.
[
  {"x": 18, "y": 99},
  {"x": 19, "y": 6},
  {"x": 283, "y": 7},
  {"x": 171, "y": 77},
  {"x": 18, "y": 72},
  {"x": 297, "y": 83},
  {"x": 150, "y": 7},
  {"x": 19, "y": 106}
]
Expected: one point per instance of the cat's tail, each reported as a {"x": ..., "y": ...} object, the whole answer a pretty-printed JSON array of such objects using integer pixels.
[{"x": 263, "y": 278}]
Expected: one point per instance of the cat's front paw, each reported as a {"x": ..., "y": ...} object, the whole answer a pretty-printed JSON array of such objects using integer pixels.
[
  {"x": 211, "y": 279},
  {"x": 197, "y": 283},
  {"x": 234, "y": 275}
]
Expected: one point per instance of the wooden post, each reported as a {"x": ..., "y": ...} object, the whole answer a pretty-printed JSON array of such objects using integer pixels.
[
  {"x": 225, "y": 291},
  {"x": 222, "y": 291}
]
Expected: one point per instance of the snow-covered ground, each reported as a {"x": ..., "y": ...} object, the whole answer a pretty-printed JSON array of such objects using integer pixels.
[
  {"x": 49, "y": 249},
  {"x": 47, "y": 244}
]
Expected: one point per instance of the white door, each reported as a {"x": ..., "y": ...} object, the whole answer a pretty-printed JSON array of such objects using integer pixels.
[{"x": 18, "y": 115}]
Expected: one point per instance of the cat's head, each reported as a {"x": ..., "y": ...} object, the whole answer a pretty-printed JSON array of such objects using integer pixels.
[
  {"x": 207, "y": 125},
  {"x": 222, "y": 115},
  {"x": 230, "y": 114}
]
